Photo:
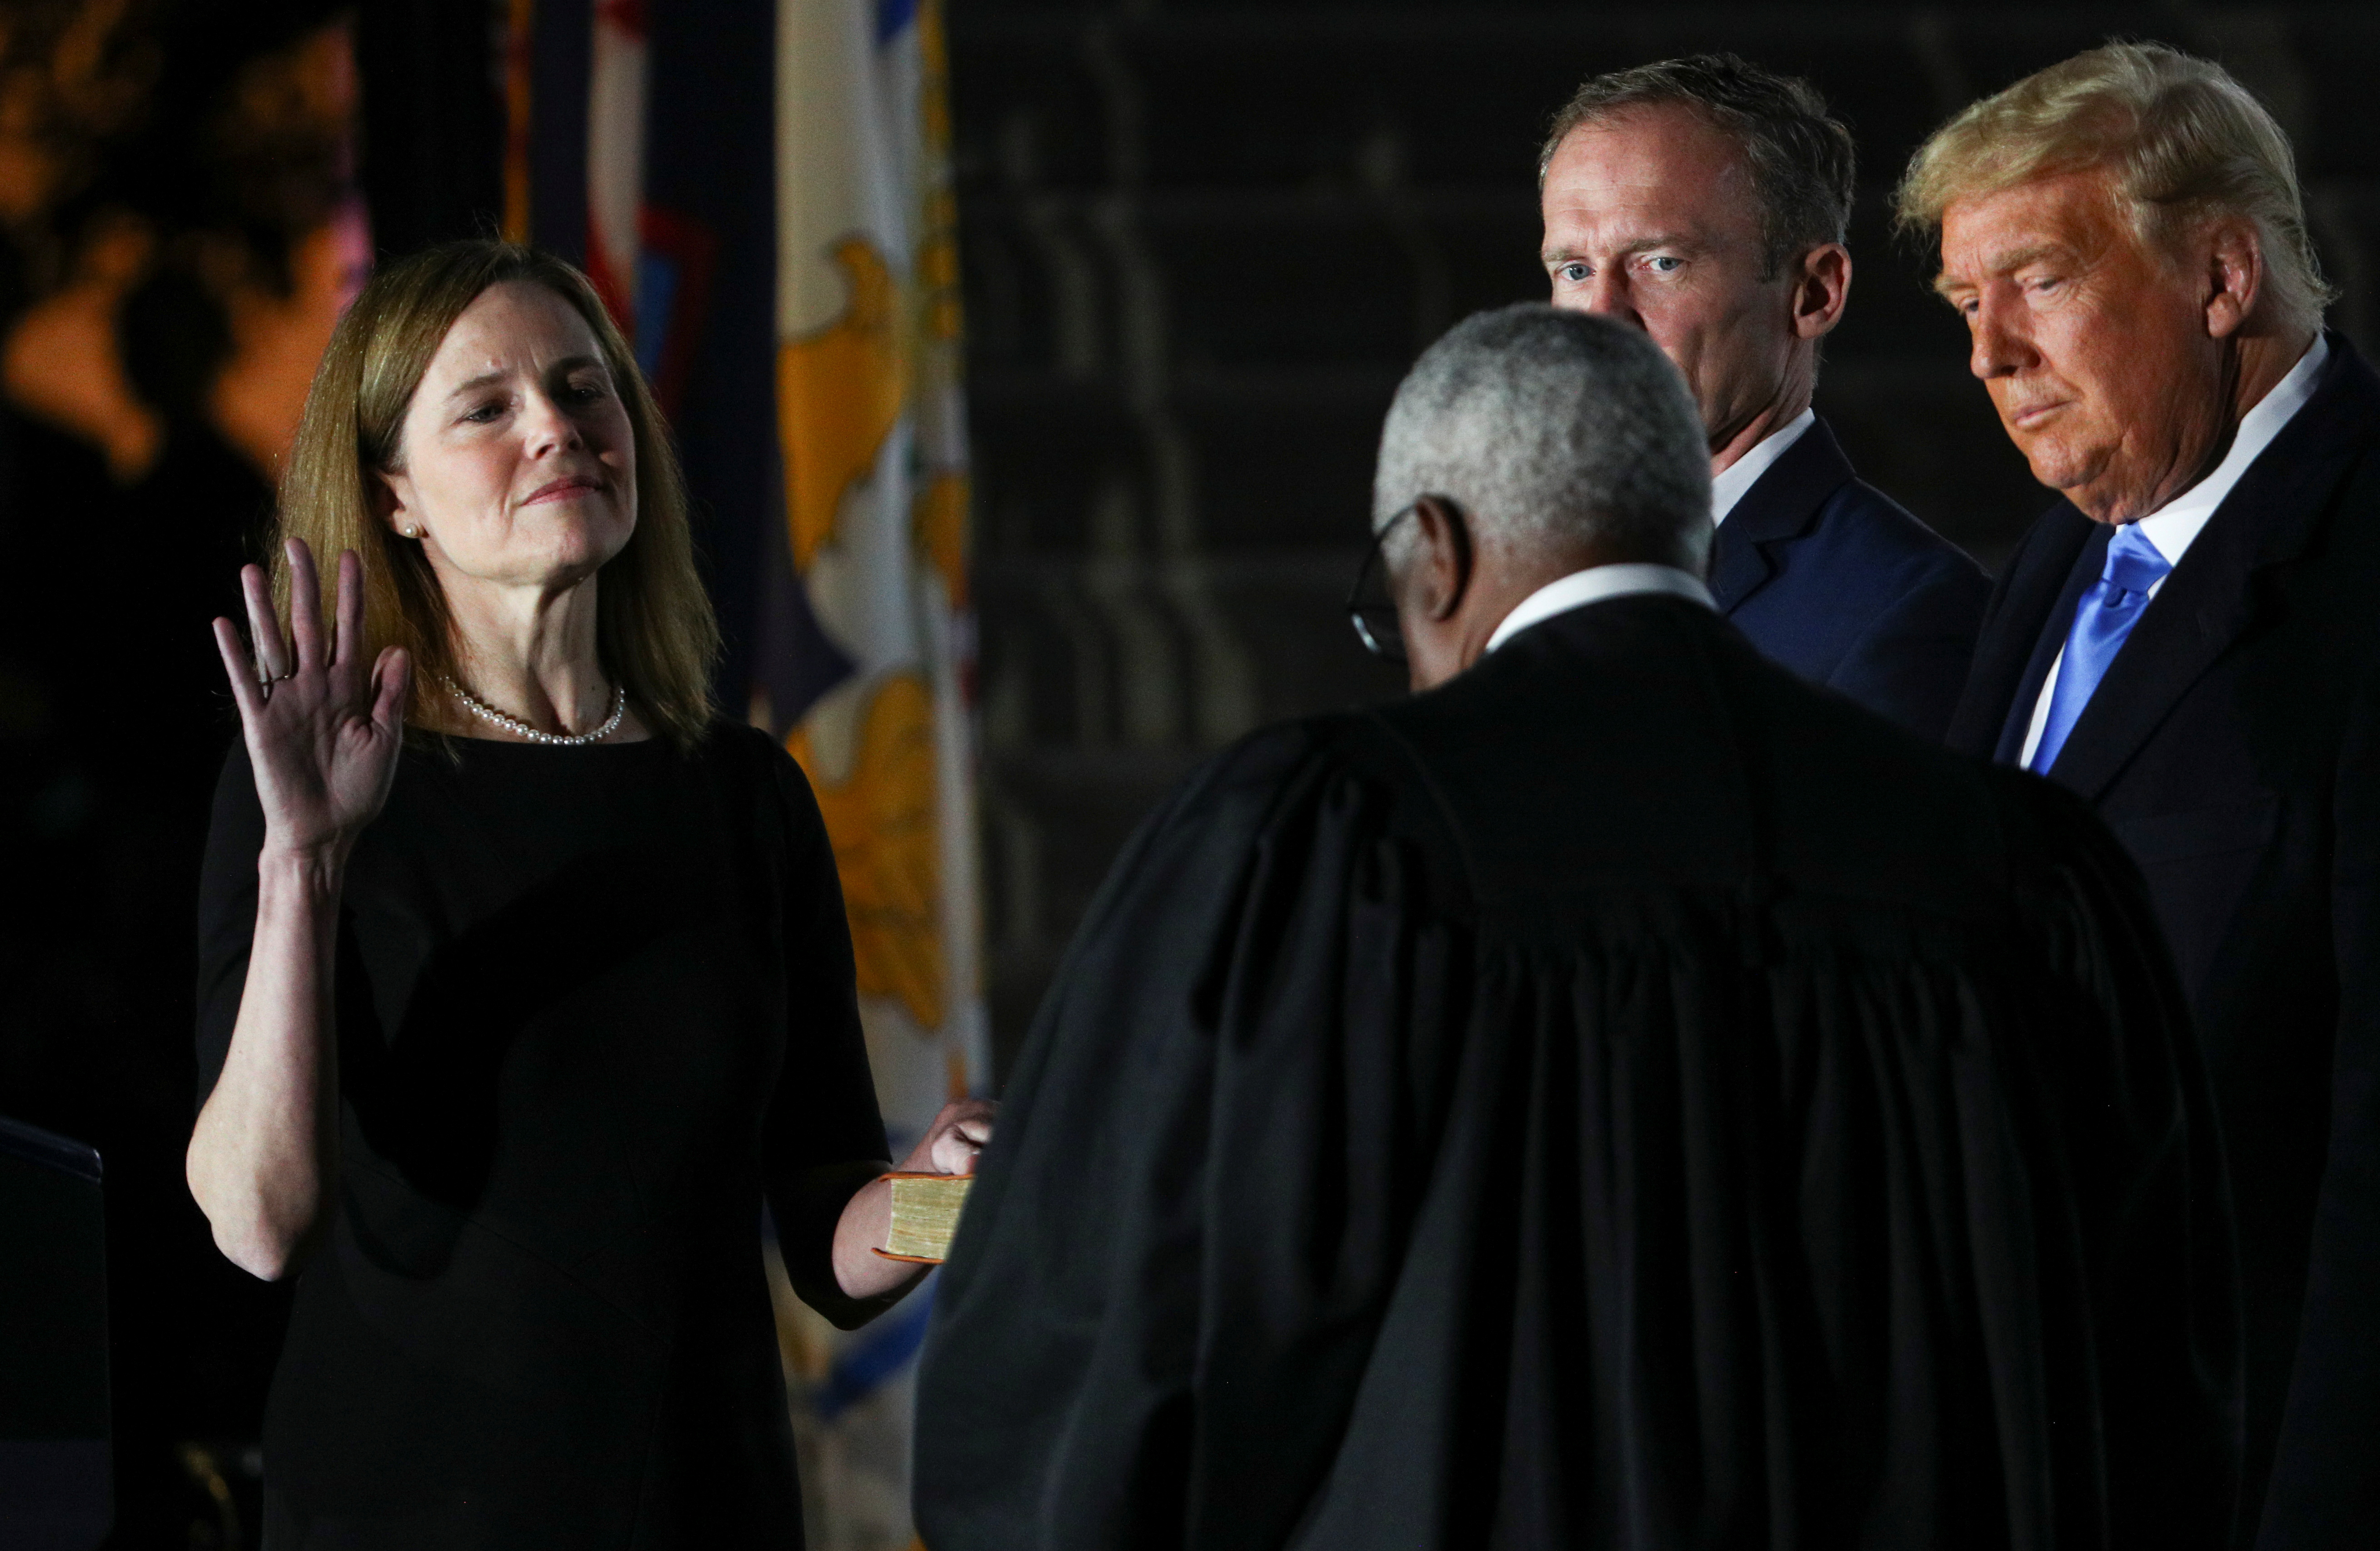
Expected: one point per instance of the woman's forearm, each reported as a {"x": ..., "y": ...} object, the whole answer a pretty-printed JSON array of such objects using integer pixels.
[
  {"x": 265, "y": 1150},
  {"x": 865, "y": 1222},
  {"x": 949, "y": 1146}
]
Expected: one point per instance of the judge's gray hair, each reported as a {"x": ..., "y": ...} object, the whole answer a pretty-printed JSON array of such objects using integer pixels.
[{"x": 1550, "y": 427}]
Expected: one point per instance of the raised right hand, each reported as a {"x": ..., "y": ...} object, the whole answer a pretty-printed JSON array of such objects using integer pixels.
[{"x": 322, "y": 736}]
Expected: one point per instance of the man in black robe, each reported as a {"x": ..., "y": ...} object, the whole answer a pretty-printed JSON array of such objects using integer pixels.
[{"x": 1620, "y": 1096}]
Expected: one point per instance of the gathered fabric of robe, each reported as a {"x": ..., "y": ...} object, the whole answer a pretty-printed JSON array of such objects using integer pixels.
[{"x": 1623, "y": 1097}]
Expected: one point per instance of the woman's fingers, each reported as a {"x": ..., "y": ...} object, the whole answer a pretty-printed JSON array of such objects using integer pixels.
[
  {"x": 276, "y": 659},
  {"x": 349, "y": 636},
  {"x": 305, "y": 609},
  {"x": 245, "y": 689},
  {"x": 263, "y": 626},
  {"x": 963, "y": 1127},
  {"x": 392, "y": 677}
]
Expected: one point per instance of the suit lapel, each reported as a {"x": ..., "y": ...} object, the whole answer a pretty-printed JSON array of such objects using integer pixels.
[
  {"x": 1780, "y": 507},
  {"x": 2210, "y": 600},
  {"x": 2085, "y": 545},
  {"x": 2009, "y": 654}
]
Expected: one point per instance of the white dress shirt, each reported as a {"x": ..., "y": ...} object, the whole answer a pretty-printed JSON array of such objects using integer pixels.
[
  {"x": 2173, "y": 526},
  {"x": 1593, "y": 586},
  {"x": 1729, "y": 483}
]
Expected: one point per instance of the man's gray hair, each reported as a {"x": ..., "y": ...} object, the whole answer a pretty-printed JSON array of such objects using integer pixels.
[
  {"x": 1551, "y": 427},
  {"x": 1803, "y": 164}
]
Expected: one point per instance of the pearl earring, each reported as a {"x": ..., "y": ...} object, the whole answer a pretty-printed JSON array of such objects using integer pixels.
[{"x": 413, "y": 533}]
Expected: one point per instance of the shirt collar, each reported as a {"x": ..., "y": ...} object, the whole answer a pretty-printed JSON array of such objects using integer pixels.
[
  {"x": 2172, "y": 526},
  {"x": 1728, "y": 485},
  {"x": 1594, "y": 584}
]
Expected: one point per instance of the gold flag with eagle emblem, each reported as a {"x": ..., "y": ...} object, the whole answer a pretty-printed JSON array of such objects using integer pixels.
[{"x": 873, "y": 433}]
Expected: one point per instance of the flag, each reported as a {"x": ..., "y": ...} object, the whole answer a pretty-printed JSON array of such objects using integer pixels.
[
  {"x": 866, "y": 647},
  {"x": 762, "y": 191}
]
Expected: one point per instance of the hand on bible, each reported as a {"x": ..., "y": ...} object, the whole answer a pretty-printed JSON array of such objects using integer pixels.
[
  {"x": 862, "y": 1266},
  {"x": 951, "y": 1143},
  {"x": 321, "y": 735}
]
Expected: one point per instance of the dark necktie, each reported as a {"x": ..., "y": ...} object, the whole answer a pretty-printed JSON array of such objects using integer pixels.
[{"x": 2105, "y": 616}]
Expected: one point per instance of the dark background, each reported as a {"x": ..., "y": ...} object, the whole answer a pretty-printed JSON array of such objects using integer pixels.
[{"x": 1200, "y": 242}]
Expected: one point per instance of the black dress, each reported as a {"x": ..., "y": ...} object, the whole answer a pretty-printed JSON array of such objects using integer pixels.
[
  {"x": 1624, "y": 1098},
  {"x": 594, "y": 1004}
]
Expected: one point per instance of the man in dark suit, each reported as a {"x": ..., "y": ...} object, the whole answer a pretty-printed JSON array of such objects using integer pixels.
[
  {"x": 1703, "y": 200},
  {"x": 2190, "y": 640},
  {"x": 1620, "y": 1096}
]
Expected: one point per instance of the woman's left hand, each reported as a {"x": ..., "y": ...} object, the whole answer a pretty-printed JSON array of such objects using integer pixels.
[
  {"x": 952, "y": 1142},
  {"x": 949, "y": 1146}
]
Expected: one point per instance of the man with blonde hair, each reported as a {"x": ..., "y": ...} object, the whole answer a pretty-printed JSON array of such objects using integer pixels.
[{"x": 2188, "y": 639}]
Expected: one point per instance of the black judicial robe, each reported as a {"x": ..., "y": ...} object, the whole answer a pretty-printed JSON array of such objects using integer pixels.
[{"x": 1623, "y": 1097}]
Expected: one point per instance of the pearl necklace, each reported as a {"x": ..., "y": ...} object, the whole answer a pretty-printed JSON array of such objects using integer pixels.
[{"x": 486, "y": 712}]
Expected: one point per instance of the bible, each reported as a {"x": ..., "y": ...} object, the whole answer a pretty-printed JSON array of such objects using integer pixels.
[{"x": 925, "y": 1216}]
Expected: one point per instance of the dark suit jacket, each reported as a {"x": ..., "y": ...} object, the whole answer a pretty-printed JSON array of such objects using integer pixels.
[
  {"x": 1833, "y": 578},
  {"x": 2232, "y": 749}
]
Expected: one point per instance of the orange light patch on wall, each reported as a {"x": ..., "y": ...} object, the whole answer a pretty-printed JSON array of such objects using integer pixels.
[
  {"x": 278, "y": 341},
  {"x": 276, "y": 257}
]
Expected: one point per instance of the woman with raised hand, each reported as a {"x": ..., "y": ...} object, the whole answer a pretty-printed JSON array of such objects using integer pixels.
[{"x": 525, "y": 978}]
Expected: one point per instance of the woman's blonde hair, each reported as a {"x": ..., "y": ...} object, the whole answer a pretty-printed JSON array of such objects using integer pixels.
[
  {"x": 654, "y": 625},
  {"x": 2183, "y": 139}
]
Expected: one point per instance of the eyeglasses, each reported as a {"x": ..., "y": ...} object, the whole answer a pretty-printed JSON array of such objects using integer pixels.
[{"x": 1369, "y": 607}]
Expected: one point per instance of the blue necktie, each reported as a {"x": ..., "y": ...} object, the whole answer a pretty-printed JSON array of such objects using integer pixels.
[{"x": 2101, "y": 620}]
